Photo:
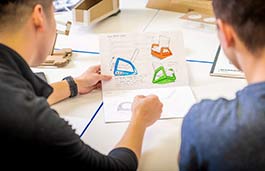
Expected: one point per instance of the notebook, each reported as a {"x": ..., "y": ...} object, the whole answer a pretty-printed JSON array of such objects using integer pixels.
[{"x": 222, "y": 67}]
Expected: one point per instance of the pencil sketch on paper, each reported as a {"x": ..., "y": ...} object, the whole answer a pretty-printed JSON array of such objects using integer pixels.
[{"x": 124, "y": 106}]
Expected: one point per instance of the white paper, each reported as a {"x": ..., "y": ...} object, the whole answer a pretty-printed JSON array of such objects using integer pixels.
[{"x": 143, "y": 64}]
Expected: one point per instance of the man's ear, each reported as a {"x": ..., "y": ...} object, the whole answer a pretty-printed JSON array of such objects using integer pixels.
[
  {"x": 38, "y": 18},
  {"x": 226, "y": 33}
]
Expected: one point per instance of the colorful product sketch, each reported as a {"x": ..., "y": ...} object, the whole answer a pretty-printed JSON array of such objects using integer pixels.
[
  {"x": 163, "y": 76},
  {"x": 160, "y": 48},
  {"x": 125, "y": 67}
]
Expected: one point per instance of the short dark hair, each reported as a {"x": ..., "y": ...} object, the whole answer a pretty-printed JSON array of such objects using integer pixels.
[
  {"x": 13, "y": 12},
  {"x": 247, "y": 17}
]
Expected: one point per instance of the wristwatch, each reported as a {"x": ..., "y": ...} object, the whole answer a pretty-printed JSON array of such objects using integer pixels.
[{"x": 72, "y": 86}]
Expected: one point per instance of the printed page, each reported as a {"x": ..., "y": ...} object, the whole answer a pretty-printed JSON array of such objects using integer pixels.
[{"x": 143, "y": 64}]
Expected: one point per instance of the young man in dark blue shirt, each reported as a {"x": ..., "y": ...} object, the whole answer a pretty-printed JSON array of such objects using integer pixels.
[
  {"x": 33, "y": 136},
  {"x": 228, "y": 135}
]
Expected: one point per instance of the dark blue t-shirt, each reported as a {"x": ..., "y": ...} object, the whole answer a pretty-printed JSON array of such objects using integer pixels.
[{"x": 226, "y": 135}]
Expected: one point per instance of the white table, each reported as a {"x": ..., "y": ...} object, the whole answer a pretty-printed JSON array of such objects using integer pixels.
[{"x": 162, "y": 140}]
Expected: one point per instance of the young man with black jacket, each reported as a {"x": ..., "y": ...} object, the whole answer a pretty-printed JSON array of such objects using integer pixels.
[{"x": 33, "y": 136}]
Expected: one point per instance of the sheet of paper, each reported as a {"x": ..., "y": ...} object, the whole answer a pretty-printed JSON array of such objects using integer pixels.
[
  {"x": 142, "y": 64},
  {"x": 223, "y": 67}
]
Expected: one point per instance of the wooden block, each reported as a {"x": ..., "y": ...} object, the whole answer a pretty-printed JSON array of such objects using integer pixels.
[{"x": 59, "y": 58}]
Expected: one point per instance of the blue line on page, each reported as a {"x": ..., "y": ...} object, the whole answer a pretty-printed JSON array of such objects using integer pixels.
[
  {"x": 198, "y": 61},
  {"x": 82, "y": 51},
  {"x": 95, "y": 114},
  {"x": 89, "y": 52}
]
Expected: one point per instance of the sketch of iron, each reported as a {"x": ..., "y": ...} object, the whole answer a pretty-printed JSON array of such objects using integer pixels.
[
  {"x": 163, "y": 77},
  {"x": 124, "y": 67},
  {"x": 161, "y": 49},
  {"x": 122, "y": 106}
]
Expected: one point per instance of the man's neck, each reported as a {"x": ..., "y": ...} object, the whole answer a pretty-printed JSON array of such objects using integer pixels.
[
  {"x": 18, "y": 42},
  {"x": 254, "y": 67}
]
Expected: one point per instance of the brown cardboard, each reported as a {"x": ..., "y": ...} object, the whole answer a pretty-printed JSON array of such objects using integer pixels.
[
  {"x": 183, "y": 6},
  {"x": 92, "y": 11},
  {"x": 60, "y": 58},
  {"x": 102, "y": 8}
]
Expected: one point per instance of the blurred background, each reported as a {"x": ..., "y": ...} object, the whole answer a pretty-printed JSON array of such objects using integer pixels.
[{"x": 64, "y": 5}]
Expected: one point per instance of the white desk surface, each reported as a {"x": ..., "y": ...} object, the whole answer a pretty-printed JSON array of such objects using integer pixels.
[{"x": 162, "y": 140}]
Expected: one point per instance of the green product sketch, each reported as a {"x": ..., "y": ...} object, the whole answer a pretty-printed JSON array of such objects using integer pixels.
[{"x": 162, "y": 77}]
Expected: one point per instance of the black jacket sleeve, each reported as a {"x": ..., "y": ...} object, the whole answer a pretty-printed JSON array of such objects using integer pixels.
[
  {"x": 56, "y": 138},
  {"x": 33, "y": 136}
]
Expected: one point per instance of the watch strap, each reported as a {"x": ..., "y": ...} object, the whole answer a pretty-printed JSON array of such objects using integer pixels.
[{"x": 72, "y": 85}]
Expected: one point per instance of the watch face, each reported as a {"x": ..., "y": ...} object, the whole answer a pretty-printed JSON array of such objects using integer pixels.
[{"x": 41, "y": 75}]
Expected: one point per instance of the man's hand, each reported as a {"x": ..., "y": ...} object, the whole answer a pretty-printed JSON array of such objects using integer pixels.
[
  {"x": 90, "y": 80},
  {"x": 146, "y": 110}
]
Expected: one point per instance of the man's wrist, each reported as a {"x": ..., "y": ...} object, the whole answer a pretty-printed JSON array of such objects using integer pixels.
[
  {"x": 72, "y": 86},
  {"x": 138, "y": 123}
]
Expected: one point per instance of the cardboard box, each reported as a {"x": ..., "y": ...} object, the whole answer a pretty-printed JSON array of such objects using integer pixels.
[
  {"x": 183, "y": 6},
  {"x": 93, "y": 11}
]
